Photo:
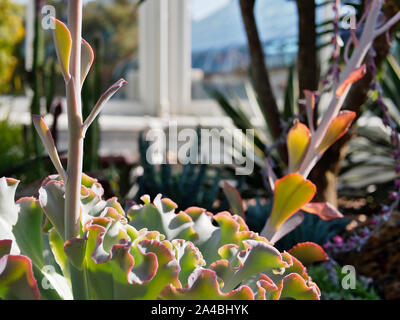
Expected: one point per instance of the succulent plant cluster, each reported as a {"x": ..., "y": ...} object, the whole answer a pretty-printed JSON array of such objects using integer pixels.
[{"x": 148, "y": 252}]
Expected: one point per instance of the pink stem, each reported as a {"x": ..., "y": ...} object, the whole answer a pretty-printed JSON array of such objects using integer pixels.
[{"x": 74, "y": 110}]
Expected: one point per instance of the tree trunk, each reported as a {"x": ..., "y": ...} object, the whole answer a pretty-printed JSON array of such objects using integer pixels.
[
  {"x": 259, "y": 72},
  {"x": 307, "y": 59}
]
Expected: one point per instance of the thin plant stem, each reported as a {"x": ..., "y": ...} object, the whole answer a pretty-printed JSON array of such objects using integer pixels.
[
  {"x": 75, "y": 144},
  {"x": 74, "y": 111}
]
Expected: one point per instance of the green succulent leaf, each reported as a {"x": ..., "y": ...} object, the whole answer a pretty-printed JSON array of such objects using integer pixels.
[
  {"x": 151, "y": 252},
  {"x": 266, "y": 289},
  {"x": 295, "y": 287},
  {"x": 258, "y": 257},
  {"x": 229, "y": 230},
  {"x": 63, "y": 43},
  {"x": 189, "y": 258},
  {"x": 297, "y": 142},
  {"x": 57, "y": 247},
  {"x": 203, "y": 285},
  {"x": 161, "y": 216},
  {"x": 28, "y": 230},
  {"x": 27, "y": 239},
  {"x": 75, "y": 249},
  {"x": 308, "y": 253},
  {"x": 99, "y": 273},
  {"x": 291, "y": 193},
  {"x": 16, "y": 278},
  {"x": 51, "y": 199},
  {"x": 130, "y": 264}
]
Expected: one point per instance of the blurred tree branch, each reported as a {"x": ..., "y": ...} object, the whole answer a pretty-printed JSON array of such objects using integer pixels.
[
  {"x": 260, "y": 76},
  {"x": 307, "y": 56}
]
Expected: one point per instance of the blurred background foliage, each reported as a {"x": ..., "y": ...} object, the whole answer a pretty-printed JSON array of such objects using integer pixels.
[
  {"x": 115, "y": 24},
  {"x": 11, "y": 144},
  {"x": 11, "y": 34},
  {"x": 329, "y": 281}
]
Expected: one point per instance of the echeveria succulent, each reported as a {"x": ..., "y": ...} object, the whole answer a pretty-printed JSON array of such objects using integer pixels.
[{"x": 149, "y": 252}]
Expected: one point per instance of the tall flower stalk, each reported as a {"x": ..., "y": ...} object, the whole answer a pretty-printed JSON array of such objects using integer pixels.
[
  {"x": 352, "y": 72},
  {"x": 74, "y": 110},
  {"x": 76, "y": 57},
  {"x": 307, "y": 144}
]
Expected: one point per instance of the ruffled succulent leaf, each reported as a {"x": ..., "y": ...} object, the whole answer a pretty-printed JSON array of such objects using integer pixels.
[
  {"x": 28, "y": 230},
  {"x": 258, "y": 257},
  {"x": 324, "y": 210},
  {"x": 308, "y": 253},
  {"x": 298, "y": 268},
  {"x": 63, "y": 43},
  {"x": 189, "y": 258},
  {"x": 298, "y": 140},
  {"x": 208, "y": 232},
  {"x": 229, "y": 230},
  {"x": 290, "y": 194},
  {"x": 203, "y": 285},
  {"x": 337, "y": 129},
  {"x": 123, "y": 263},
  {"x": 28, "y": 240},
  {"x": 234, "y": 199},
  {"x": 75, "y": 250},
  {"x": 293, "y": 286},
  {"x": 92, "y": 184},
  {"x": 99, "y": 273},
  {"x": 208, "y": 235},
  {"x": 16, "y": 278},
  {"x": 161, "y": 216},
  {"x": 165, "y": 268},
  {"x": 266, "y": 288},
  {"x": 57, "y": 247},
  {"x": 51, "y": 199},
  {"x": 52, "y": 285},
  {"x": 295, "y": 267}
]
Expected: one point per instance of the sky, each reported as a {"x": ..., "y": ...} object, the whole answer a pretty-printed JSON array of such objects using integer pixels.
[
  {"x": 203, "y": 8},
  {"x": 200, "y": 8}
]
